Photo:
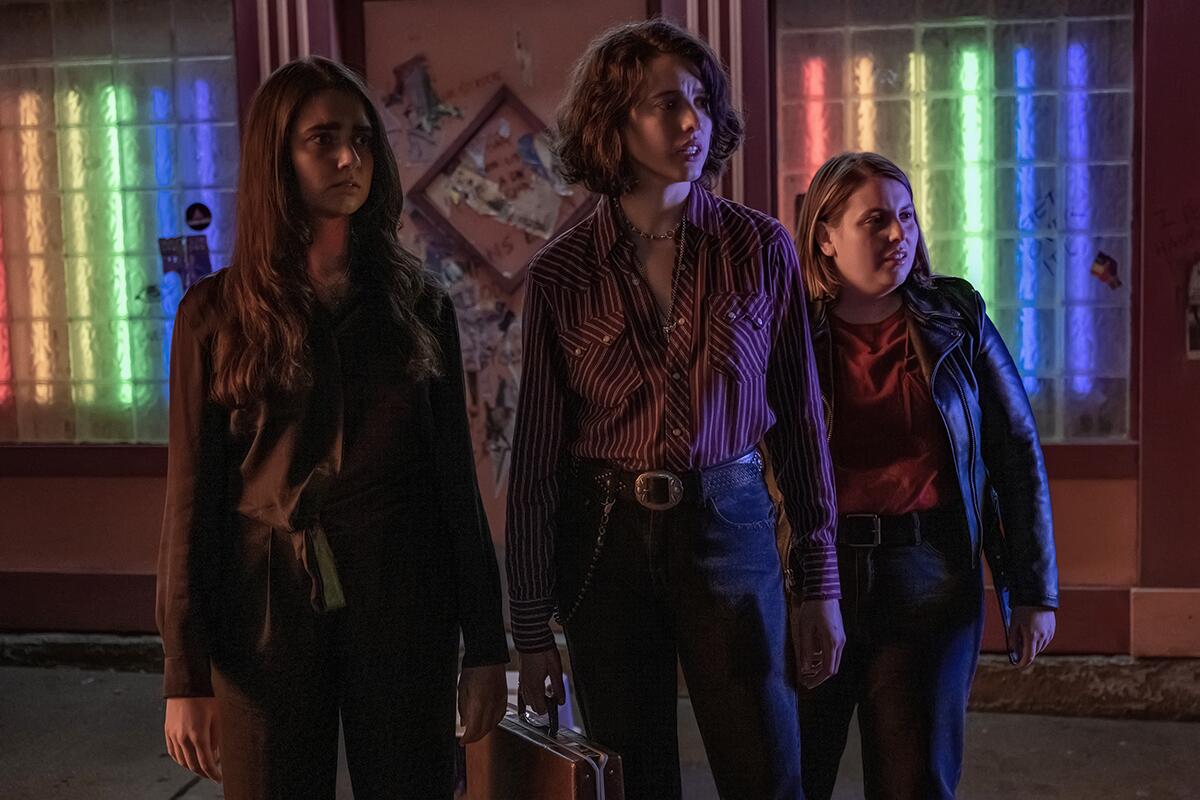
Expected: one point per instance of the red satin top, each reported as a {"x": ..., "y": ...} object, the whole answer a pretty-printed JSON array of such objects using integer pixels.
[{"x": 889, "y": 446}]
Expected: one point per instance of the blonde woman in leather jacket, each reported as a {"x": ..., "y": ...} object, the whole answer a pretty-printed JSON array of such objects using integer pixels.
[{"x": 937, "y": 463}]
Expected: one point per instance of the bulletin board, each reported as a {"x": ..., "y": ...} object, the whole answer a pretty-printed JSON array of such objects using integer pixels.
[{"x": 495, "y": 191}]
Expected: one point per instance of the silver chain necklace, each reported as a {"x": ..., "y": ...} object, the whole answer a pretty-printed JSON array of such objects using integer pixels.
[
  {"x": 649, "y": 237},
  {"x": 668, "y": 321}
]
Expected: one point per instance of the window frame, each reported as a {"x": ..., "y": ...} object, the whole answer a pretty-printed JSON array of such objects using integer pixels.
[
  {"x": 1064, "y": 461},
  {"x": 1114, "y": 460}
]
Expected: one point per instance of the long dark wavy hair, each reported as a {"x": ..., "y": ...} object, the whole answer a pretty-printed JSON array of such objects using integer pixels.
[
  {"x": 607, "y": 82},
  {"x": 262, "y": 347}
]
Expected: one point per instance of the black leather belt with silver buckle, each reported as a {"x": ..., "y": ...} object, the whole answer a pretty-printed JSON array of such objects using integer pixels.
[
  {"x": 658, "y": 490},
  {"x": 662, "y": 490},
  {"x": 873, "y": 530}
]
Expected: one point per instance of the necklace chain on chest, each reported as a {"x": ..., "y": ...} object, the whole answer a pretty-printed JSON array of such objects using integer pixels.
[{"x": 668, "y": 320}]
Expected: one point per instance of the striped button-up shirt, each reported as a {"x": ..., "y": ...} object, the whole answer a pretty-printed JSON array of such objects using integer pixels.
[{"x": 601, "y": 381}]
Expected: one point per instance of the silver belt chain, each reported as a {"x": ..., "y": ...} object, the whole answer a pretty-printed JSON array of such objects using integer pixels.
[{"x": 610, "y": 500}]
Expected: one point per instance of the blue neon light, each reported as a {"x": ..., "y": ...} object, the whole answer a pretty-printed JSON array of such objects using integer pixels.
[
  {"x": 1080, "y": 337},
  {"x": 1026, "y": 195}
]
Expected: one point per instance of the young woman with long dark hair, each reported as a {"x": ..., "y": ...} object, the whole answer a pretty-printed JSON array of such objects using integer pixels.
[{"x": 323, "y": 543}]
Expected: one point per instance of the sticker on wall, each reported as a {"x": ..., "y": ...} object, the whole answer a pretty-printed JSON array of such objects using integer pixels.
[
  {"x": 538, "y": 156},
  {"x": 198, "y": 217},
  {"x": 1104, "y": 268},
  {"x": 490, "y": 339},
  {"x": 524, "y": 57},
  {"x": 495, "y": 190},
  {"x": 421, "y": 107},
  {"x": 1193, "y": 314},
  {"x": 186, "y": 256}
]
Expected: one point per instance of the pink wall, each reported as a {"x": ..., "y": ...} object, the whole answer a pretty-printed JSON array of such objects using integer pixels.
[{"x": 473, "y": 48}]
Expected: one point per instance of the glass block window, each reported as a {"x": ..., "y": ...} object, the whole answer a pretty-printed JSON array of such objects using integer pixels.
[
  {"x": 1013, "y": 118},
  {"x": 115, "y": 116}
]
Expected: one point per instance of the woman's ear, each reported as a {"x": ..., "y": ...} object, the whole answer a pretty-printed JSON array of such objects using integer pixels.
[{"x": 823, "y": 240}]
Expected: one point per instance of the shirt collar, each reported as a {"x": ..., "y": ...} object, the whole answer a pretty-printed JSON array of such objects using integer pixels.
[{"x": 702, "y": 214}]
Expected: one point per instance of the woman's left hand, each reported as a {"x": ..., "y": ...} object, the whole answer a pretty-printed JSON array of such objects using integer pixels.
[
  {"x": 482, "y": 700},
  {"x": 1032, "y": 629}
]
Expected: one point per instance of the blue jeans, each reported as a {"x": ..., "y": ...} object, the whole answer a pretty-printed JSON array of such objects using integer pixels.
[
  {"x": 913, "y": 618},
  {"x": 700, "y": 584}
]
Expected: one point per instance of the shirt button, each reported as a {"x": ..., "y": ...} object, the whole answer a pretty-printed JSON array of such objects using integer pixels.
[
  {"x": 606, "y": 338},
  {"x": 676, "y": 375},
  {"x": 677, "y": 431},
  {"x": 732, "y": 315},
  {"x": 578, "y": 351},
  {"x": 680, "y": 320}
]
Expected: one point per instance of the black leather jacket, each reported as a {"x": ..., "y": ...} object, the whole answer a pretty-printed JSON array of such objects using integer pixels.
[{"x": 990, "y": 426}]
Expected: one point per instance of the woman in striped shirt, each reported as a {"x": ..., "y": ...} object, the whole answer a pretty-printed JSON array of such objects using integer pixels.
[{"x": 665, "y": 337}]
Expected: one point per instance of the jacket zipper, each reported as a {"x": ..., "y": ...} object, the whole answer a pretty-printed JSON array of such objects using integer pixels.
[
  {"x": 828, "y": 419},
  {"x": 962, "y": 396}
]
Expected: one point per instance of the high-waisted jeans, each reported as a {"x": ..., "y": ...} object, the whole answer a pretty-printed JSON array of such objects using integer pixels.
[
  {"x": 701, "y": 585},
  {"x": 913, "y": 619}
]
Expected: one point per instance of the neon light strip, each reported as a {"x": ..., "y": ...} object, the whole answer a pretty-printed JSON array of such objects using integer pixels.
[
  {"x": 36, "y": 245},
  {"x": 864, "y": 87},
  {"x": 816, "y": 128},
  {"x": 1026, "y": 197},
  {"x": 918, "y": 157},
  {"x": 978, "y": 267},
  {"x": 120, "y": 272},
  {"x": 170, "y": 288},
  {"x": 205, "y": 146},
  {"x": 6, "y": 370},
  {"x": 75, "y": 244},
  {"x": 87, "y": 371},
  {"x": 1082, "y": 351}
]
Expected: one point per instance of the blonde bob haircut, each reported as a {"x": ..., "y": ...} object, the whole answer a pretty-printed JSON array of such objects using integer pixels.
[{"x": 825, "y": 203}]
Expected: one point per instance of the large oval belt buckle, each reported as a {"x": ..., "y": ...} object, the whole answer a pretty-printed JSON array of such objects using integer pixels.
[{"x": 658, "y": 490}]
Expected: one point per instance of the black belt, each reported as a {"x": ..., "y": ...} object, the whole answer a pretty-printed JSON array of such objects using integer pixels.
[
  {"x": 660, "y": 489},
  {"x": 873, "y": 530}
]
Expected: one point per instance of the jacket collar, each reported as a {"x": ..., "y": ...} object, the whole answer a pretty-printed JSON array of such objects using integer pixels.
[{"x": 938, "y": 324}]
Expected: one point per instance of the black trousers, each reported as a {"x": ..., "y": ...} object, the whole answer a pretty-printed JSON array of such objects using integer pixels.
[
  {"x": 699, "y": 585},
  {"x": 913, "y": 619},
  {"x": 386, "y": 664}
]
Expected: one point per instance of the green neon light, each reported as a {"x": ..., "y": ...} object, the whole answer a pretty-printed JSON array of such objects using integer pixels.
[
  {"x": 83, "y": 365},
  {"x": 864, "y": 87},
  {"x": 979, "y": 267},
  {"x": 120, "y": 277},
  {"x": 918, "y": 154}
]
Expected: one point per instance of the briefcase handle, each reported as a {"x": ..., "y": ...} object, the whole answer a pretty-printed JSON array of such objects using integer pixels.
[{"x": 551, "y": 715}]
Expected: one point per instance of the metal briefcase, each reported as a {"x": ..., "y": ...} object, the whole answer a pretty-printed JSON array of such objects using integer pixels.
[{"x": 522, "y": 761}]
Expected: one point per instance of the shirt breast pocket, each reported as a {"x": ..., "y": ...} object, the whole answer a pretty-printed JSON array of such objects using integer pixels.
[
  {"x": 739, "y": 334},
  {"x": 600, "y": 361}
]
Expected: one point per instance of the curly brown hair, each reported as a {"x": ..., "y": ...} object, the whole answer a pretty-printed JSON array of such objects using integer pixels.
[{"x": 607, "y": 81}]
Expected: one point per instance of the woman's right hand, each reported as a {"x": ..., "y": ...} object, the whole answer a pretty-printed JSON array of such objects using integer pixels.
[
  {"x": 535, "y": 668},
  {"x": 192, "y": 733}
]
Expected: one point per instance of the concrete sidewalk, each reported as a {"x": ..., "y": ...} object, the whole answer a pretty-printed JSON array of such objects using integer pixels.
[{"x": 90, "y": 735}]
